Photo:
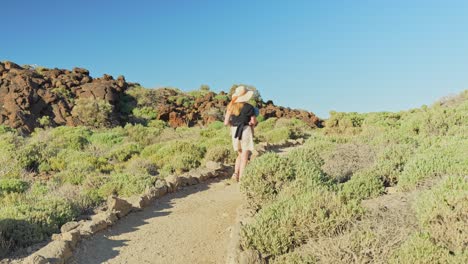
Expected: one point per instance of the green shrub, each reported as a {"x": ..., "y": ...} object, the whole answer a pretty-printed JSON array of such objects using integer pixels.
[
  {"x": 12, "y": 185},
  {"x": 145, "y": 113},
  {"x": 391, "y": 162},
  {"x": 107, "y": 138},
  {"x": 297, "y": 127},
  {"x": 267, "y": 125},
  {"x": 93, "y": 112},
  {"x": 264, "y": 177},
  {"x": 142, "y": 135},
  {"x": 290, "y": 221},
  {"x": 69, "y": 137},
  {"x": 363, "y": 185},
  {"x": 223, "y": 154},
  {"x": 138, "y": 165},
  {"x": 124, "y": 184},
  {"x": 306, "y": 154},
  {"x": 63, "y": 92},
  {"x": 276, "y": 136},
  {"x": 44, "y": 121},
  {"x": 437, "y": 160},
  {"x": 159, "y": 124},
  {"x": 175, "y": 156},
  {"x": 344, "y": 123},
  {"x": 27, "y": 220},
  {"x": 5, "y": 129},
  {"x": 419, "y": 249},
  {"x": 294, "y": 258},
  {"x": 124, "y": 152},
  {"x": 442, "y": 212}
]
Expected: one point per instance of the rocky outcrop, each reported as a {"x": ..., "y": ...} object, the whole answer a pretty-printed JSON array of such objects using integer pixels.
[
  {"x": 210, "y": 107},
  {"x": 269, "y": 110},
  {"x": 27, "y": 94}
]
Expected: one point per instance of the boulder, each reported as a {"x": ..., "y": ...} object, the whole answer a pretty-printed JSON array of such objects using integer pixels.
[
  {"x": 55, "y": 252},
  {"x": 72, "y": 236},
  {"x": 120, "y": 206},
  {"x": 37, "y": 259},
  {"x": 69, "y": 226},
  {"x": 173, "y": 182},
  {"x": 91, "y": 227}
]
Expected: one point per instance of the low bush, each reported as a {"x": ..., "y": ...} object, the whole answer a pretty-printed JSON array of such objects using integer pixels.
[
  {"x": 294, "y": 258},
  {"x": 223, "y": 154},
  {"x": 143, "y": 135},
  {"x": 275, "y": 136},
  {"x": 264, "y": 177},
  {"x": 363, "y": 185},
  {"x": 344, "y": 123},
  {"x": 12, "y": 185},
  {"x": 420, "y": 249},
  {"x": 391, "y": 162},
  {"x": 107, "y": 138},
  {"x": 446, "y": 158},
  {"x": 67, "y": 137},
  {"x": 289, "y": 221},
  {"x": 93, "y": 112},
  {"x": 125, "y": 184},
  {"x": 175, "y": 156},
  {"x": 123, "y": 152},
  {"x": 145, "y": 113},
  {"x": 442, "y": 212},
  {"x": 25, "y": 220},
  {"x": 276, "y": 130},
  {"x": 138, "y": 165}
]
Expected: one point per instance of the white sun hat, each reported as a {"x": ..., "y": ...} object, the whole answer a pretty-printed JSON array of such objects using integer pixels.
[{"x": 242, "y": 94}]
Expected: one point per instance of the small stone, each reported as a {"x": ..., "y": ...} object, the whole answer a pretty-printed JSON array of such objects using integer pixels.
[
  {"x": 69, "y": 226},
  {"x": 56, "y": 237},
  {"x": 37, "y": 259},
  {"x": 73, "y": 237}
]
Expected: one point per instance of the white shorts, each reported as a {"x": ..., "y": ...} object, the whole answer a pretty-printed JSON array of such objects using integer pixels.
[{"x": 246, "y": 143}]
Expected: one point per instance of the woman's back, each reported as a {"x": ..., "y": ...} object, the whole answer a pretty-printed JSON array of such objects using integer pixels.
[{"x": 245, "y": 112}]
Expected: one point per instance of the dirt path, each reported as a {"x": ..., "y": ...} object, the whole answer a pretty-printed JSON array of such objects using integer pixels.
[{"x": 190, "y": 226}]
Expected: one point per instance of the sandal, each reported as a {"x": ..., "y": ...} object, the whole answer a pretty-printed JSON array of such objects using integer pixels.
[{"x": 235, "y": 177}]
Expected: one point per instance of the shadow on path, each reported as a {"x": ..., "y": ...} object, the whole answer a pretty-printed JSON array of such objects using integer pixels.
[{"x": 110, "y": 248}]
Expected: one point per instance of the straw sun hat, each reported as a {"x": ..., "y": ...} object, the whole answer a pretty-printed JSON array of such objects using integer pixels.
[{"x": 242, "y": 94}]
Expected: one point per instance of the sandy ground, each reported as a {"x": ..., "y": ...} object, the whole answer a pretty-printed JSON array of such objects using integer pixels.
[{"x": 190, "y": 226}]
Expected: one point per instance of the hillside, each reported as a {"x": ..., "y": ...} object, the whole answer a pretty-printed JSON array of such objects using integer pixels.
[
  {"x": 69, "y": 141},
  {"x": 368, "y": 188},
  {"x": 33, "y": 97}
]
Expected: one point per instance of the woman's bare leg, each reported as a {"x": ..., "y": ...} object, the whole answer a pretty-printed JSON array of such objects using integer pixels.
[
  {"x": 238, "y": 164},
  {"x": 243, "y": 163}
]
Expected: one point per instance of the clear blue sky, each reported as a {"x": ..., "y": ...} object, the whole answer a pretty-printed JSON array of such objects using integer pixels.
[{"x": 316, "y": 55}]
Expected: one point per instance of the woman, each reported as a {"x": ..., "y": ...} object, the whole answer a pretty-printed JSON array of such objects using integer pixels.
[{"x": 241, "y": 117}]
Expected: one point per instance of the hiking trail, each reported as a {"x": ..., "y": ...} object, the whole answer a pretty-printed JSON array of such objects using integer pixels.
[{"x": 191, "y": 225}]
